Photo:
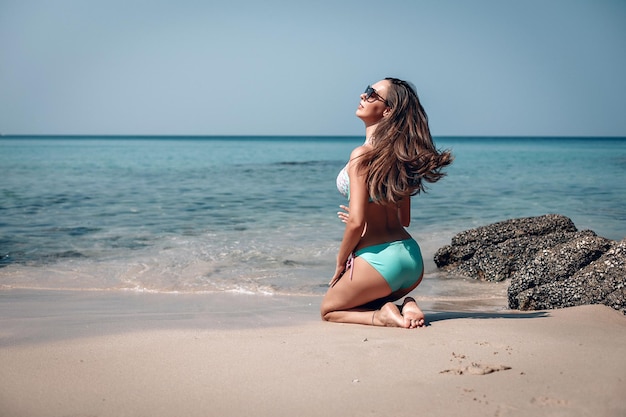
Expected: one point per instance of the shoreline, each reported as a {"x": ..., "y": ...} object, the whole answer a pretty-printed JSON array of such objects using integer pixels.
[
  {"x": 42, "y": 316},
  {"x": 143, "y": 355},
  {"x": 45, "y": 315}
]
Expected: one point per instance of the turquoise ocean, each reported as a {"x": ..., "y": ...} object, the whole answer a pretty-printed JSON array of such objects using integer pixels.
[{"x": 257, "y": 215}]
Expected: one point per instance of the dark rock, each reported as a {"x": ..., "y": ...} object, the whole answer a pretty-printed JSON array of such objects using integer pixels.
[
  {"x": 557, "y": 263},
  {"x": 496, "y": 251},
  {"x": 550, "y": 263},
  {"x": 602, "y": 281},
  {"x": 509, "y": 229}
]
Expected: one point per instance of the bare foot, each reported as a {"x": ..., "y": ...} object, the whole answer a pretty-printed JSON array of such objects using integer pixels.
[
  {"x": 411, "y": 313},
  {"x": 389, "y": 315}
]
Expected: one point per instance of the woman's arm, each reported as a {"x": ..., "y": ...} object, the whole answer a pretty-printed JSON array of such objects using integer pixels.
[{"x": 355, "y": 222}]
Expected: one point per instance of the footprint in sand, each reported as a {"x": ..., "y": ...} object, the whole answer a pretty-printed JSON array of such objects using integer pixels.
[
  {"x": 476, "y": 369},
  {"x": 548, "y": 401}
]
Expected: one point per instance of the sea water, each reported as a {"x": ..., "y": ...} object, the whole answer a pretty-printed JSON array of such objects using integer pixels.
[{"x": 257, "y": 215}]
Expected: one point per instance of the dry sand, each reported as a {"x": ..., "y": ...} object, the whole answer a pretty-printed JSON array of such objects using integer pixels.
[{"x": 95, "y": 355}]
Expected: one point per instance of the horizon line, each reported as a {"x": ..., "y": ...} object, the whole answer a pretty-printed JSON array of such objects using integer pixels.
[{"x": 281, "y": 136}]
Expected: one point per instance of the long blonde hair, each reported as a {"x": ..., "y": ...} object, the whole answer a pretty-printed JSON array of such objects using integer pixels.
[{"x": 403, "y": 154}]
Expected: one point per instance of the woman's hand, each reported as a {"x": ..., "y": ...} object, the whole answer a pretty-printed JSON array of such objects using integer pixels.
[
  {"x": 339, "y": 271},
  {"x": 343, "y": 215}
]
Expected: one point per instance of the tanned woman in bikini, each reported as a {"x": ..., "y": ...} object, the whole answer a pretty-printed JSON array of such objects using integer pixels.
[{"x": 378, "y": 261}]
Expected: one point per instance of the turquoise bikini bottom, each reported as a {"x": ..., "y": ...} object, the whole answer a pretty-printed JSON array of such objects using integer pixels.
[{"x": 400, "y": 262}]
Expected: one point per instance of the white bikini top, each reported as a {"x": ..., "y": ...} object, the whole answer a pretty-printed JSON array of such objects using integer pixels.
[{"x": 343, "y": 182}]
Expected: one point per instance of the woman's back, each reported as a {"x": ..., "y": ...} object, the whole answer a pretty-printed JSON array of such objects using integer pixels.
[{"x": 382, "y": 224}]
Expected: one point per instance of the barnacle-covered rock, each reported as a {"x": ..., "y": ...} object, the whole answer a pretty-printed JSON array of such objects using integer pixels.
[{"x": 549, "y": 262}]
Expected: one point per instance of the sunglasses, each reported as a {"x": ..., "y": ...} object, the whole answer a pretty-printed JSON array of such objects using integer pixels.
[{"x": 370, "y": 92}]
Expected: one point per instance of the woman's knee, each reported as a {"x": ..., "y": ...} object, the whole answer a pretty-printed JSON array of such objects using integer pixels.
[
  {"x": 330, "y": 306},
  {"x": 325, "y": 311}
]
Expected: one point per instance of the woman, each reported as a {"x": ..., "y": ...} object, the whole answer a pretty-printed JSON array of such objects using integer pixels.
[{"x": 378, "y": 261}]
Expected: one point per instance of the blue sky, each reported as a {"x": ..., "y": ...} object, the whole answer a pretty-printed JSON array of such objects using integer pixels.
[{"x": 483, "y": 67}]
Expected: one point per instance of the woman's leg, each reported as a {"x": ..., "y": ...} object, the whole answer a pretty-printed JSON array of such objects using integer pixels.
[
  {"x": 413, "y": 315},
  {"x": 353, "y": 299}
]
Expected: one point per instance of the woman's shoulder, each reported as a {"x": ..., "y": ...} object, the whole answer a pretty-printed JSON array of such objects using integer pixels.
[
  {"x": 360, "y": 151},
  {"x": 356, "y": 154}
]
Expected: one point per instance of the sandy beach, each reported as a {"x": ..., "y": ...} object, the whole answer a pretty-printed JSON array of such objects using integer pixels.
[{"x": 82, "y": 354}]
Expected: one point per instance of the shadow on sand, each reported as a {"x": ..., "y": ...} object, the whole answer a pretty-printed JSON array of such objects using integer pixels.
[{"x": 450, "y": 315}]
